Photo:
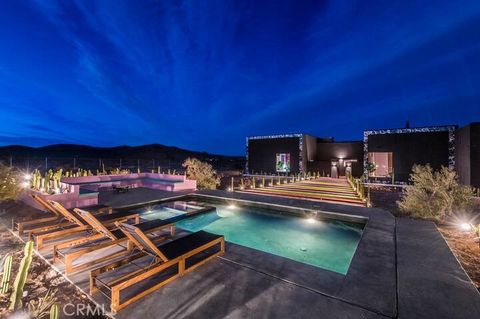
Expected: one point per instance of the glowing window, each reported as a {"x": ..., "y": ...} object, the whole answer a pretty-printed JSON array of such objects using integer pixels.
[
  {"x": 383, "y": 163},
  {"x": 283, "y": 162}
]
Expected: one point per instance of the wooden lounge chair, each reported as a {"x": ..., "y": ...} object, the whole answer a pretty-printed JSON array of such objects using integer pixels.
[
  {"x": 102, "y": 238},
  {"x": 73, "y": 223},
  {"x": 52, "y": 217},
  {"x": 170, "y": 261}
]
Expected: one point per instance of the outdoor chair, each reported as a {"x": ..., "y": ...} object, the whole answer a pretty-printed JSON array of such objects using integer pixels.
[
  {"x": 51, "y": 217},
  {"x": 72, "y": 223},
  {"x": 102, "y": 238},
  {"x": 169, "y": 261}
]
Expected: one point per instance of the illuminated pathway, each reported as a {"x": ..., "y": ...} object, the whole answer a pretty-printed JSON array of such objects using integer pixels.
[{"x": 323, "y": 189}]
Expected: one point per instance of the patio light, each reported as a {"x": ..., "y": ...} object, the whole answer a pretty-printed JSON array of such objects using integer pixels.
[{"x": 466, "y": 226}]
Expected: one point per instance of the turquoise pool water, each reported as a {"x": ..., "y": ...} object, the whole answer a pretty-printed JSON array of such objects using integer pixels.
[
  {"x": 167, "y": 210},
  {"x": 325, "y": 244}
]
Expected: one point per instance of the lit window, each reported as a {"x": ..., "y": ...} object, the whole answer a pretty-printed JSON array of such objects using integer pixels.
[
  {"x": 382, "y": 162},
  {"x": 283, "y": 162}
]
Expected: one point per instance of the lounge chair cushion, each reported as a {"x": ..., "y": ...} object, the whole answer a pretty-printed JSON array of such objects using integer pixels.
[
  {"x": 186, "y": 244},
  {"x": 107, "y": 217}
]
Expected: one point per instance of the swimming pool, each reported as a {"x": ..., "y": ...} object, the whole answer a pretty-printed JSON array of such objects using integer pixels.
[
  {"x": 328, "y": 244},
  {"x": 171, "y": 209}
]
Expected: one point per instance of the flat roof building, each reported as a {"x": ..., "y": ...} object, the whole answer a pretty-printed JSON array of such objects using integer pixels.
[{"x": 384, "y": 155}]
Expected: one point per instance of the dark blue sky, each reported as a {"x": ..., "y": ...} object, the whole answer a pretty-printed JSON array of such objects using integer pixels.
[{"x": 203, "y": 75}]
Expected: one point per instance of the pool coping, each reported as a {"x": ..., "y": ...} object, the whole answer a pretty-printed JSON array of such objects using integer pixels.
[{"x": 313, "y": 212}]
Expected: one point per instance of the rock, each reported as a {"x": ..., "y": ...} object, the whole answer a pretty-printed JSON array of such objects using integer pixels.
[{"x": 50, "y": 274}]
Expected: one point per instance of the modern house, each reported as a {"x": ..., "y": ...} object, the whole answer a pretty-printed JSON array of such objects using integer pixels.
[
  {"x": 384, "y": 155},
  {"x": 298, "y": 153}
]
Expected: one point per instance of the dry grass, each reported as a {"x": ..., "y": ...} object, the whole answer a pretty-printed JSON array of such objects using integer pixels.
[{"x": 466, "y": 249}]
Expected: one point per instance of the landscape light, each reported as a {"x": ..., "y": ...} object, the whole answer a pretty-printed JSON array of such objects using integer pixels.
[
  {"x": 25, "y": 184},
  {"x": 27, "y": 177},
  {"x": 465, "y": 227}
]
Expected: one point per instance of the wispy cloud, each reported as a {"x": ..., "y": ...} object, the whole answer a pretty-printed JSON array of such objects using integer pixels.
[{"x": 203, "y": 74}]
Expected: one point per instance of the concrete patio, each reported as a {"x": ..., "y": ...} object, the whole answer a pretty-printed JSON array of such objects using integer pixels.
[{"x": 402, "y": 269}]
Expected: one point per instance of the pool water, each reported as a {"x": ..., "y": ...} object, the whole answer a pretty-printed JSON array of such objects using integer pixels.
[
  {"x": 328, "y": 244},
  {"x": 168, "y": 210}
]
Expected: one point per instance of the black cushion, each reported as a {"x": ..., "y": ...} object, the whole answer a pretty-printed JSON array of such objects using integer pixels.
[
  {"x": 188, "y": 243},
  {"x": 108, "y": 217}
]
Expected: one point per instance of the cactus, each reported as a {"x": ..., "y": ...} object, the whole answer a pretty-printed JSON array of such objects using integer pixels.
[
  {"x": 7, "y": 271},
  {"x": 17, "y": 294},
  {"x": 54, "y": 312}
]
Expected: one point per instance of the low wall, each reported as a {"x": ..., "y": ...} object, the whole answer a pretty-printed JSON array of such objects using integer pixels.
[
  {"x": 69, "y": 200},
  {"x": 149, "y": 180},
  {"x": 122, "y": 177},
  {"x": 74, "y": 198}
]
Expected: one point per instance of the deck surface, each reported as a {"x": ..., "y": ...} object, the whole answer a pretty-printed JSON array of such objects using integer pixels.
[{"x": 401, "y": 269}]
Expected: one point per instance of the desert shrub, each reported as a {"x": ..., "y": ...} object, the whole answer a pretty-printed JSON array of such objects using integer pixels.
[
  {"x": 202, "y": 172},
  {"x": 10, "y": 181},
  {"x": 434, "y": 194}
]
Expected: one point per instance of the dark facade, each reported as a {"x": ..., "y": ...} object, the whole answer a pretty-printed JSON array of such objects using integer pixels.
[
  {"x": 306, "y": 154},
  {"x": 262, "y": 151},
  {"x": 336, "y": 158},
  {"x": 407, "y": 147},
  {"x": 468, "y": 154},
  {"x": 392, "y": 153}
]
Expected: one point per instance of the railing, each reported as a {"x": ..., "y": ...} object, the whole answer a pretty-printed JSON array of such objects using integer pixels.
[
  {"x": 252, "y": 181},
  {"x": 362, "y": 190}
]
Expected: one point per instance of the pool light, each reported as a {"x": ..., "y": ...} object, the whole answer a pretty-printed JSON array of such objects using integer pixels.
[
  {"x": 311, "y": 220},
  {"x": 231, "y": 206}
]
